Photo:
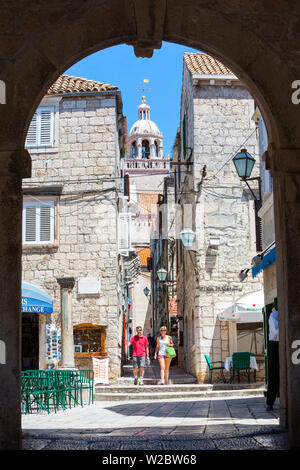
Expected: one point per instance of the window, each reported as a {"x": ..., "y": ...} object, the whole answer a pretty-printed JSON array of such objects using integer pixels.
[
  {"x": 134, "y": 150},
  {"x": 145, "y": 149},
  {"x": 267, "y": 180},
  {"x": 89, "y": 340},
  {"x": 41, "y": 129},
  {"x": 124, "y": 235},
  {"x": 38, "y": 222}
]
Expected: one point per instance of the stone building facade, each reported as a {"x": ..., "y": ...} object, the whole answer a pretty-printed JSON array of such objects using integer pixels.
[
  {"x": 146, "y": 167},
  {"x": 163, "y": 255},
  {"x": 265, "y": 269},
  {"x": 216, "y": 111},
  {"x": 70, "y": 216},
  {"x": 266, "y": 213}
]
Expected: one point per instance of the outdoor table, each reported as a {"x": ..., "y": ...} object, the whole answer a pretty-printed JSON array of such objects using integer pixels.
[{"x": 228, "y": 363}]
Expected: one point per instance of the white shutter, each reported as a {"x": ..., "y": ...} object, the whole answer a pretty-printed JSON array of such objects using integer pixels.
[
  {"x": 45, "y": 223},
  {"x": 124, "y": 234},
  {"x": 38, "y": 222},
  {"x": 45, "y": 131},
  {"x": 40, "y": 132},
  {"x": 30, "y": 217},
  {"x": 31, "y": 139}
]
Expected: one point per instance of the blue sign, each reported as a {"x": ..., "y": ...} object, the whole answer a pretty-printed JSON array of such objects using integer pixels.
[{"x": 35, "y": 300}]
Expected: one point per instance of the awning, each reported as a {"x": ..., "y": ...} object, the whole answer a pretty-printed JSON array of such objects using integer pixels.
[
  {"x": 248, "y": 309},
  {"x": 268, "y": 259},
  {"x": 35, "y": 300}
]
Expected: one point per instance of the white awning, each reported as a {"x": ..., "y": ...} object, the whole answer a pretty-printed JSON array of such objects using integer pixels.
[{"x": 247, "y": 309}]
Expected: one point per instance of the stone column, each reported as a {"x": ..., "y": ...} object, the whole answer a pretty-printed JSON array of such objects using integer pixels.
[
  {"x": 13, "y": 167},
  {"x": 67, "y": 339},
  {"x": 152, "y": 150},
  {"x": 139, "y": 148},
  {"x": 285, "y": 165}
]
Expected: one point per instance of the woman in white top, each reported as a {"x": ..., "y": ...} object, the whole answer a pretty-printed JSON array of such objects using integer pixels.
[{"x": 160, "y": 352}]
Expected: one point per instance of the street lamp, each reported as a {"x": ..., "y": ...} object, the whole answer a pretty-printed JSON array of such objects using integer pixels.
[
  {"x": 146, "y": 291},
  {"x": 187, "y": 236},
  {"x": 162, "y": 274},
  {"x": 244, "y": 163}
]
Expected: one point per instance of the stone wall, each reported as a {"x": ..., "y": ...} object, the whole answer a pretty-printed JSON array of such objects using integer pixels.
[
  {"x": 218, "y": 121},
  {"x": 85, "y": 215}
]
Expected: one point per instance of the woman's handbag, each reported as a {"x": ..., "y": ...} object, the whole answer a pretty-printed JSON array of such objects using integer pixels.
[{"x": 170, "y": 351}]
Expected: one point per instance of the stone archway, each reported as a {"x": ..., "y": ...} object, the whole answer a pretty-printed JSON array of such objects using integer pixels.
[{"x": 256, "y": 39}]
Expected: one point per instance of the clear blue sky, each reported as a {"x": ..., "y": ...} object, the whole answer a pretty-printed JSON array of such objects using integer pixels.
[{"x": 119, "y": 66}]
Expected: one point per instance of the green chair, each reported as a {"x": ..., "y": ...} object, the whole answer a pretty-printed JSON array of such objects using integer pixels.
[
  {"x": 241, "y": 361},
  {"x": 212, "y": 368},
  {"x": 86, "y": 382},
  {"x": 35, "y": 391}
]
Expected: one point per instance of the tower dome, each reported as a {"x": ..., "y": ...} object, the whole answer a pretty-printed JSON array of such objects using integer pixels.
[{"x": 145, "y": 138}]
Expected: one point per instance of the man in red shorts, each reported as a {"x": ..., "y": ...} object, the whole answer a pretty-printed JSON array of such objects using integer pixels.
[{"x": 140, "y": 350}]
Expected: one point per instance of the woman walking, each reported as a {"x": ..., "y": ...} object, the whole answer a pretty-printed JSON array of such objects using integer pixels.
[{"x": 160, "y": 352}]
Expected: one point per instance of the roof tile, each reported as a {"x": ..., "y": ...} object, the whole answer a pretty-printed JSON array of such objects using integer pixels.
[
  {"x": 205, "y": 64},
  {"x": 69, "y": 84}
]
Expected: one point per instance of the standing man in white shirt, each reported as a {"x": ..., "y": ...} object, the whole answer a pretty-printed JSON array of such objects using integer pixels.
[{"x": 273, "y": 360}]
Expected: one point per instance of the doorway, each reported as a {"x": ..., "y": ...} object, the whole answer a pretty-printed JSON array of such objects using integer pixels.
[{"x": 30, "y": 341}]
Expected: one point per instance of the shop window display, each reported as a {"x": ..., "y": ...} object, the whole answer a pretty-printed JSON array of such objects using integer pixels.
[{"x": 89, "y": 340}]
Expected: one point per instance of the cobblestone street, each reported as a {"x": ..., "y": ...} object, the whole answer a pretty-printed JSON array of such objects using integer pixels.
[{"x": 239, "y": 423}]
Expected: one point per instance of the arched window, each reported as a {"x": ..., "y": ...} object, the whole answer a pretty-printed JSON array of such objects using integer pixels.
[
  {"x": 145, "y": 149},
  {"x": 133, "y": 150},
  {"x": 156, "y": 149}
]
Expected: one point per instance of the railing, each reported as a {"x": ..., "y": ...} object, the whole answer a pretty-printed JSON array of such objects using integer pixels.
[
  {"x": 49, "y": 390},
  {"x": 141, "y": 164}
]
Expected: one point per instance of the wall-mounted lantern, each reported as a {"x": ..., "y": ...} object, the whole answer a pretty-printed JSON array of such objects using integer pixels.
[
  {"x": 187, "y": 236},
  {"x": 162, "y": 274},
  {"x": 244, "y": 163},
  {"x": 146, "y": 291}
]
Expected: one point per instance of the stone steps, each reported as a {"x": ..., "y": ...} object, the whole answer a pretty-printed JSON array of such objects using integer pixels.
[
  {"x": 159, "y": 392},
  {"x": 153, "y": 381}
]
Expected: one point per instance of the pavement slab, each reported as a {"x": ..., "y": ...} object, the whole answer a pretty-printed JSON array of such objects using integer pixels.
[
  {"x": 220, "y": 423},
  {"x": 238, "y": 443},
  {"x": 271, "y": 441},
  {"x": 35, "y": 444},
  {"x": 105, "y": 445},
  {"x": 193, "y": 444},
  {"x": 67, "y": 444}
]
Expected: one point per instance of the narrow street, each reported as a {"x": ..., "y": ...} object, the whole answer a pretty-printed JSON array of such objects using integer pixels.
[{"x": 237, "y": 423}]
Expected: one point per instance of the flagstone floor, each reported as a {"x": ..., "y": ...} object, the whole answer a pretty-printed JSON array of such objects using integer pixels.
[{"x": 210, "y": 421}]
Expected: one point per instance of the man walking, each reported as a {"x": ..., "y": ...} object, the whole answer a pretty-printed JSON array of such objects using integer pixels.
[
  {"x": 140, "y": 349},
  {"x": 273, "y": 360}
]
